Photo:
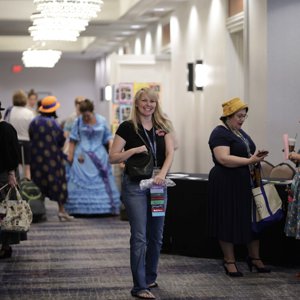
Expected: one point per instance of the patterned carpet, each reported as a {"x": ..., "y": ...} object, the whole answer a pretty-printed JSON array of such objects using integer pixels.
[{"x": 89, "y": 259}]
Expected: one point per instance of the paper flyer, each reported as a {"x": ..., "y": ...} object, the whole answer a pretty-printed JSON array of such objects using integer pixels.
[{"x": 286, "y": 145}]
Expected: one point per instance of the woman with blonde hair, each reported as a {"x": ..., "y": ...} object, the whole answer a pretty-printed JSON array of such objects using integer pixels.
[{"x": 147, "y": 128}]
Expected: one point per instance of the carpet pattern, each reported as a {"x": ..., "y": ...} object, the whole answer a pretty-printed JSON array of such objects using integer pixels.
[{"x": 89, "y": 259}]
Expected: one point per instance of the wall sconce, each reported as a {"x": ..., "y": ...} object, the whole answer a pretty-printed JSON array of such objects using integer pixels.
[
  {"x": 190, "y": 77},
  {"x": 200, "y": 75},
  {"x": 108, "y": 93},
  {"x": 198, "y": 72}
]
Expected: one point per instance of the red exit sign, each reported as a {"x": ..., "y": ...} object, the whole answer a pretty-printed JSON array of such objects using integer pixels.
[{"x": 17, "y": 68}]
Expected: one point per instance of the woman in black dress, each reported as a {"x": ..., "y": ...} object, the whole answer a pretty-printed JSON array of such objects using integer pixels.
[
  {"x": 9, "y": 160},
  {"x": 48, "y": 160},
  {"x": 230, "y": 196}
]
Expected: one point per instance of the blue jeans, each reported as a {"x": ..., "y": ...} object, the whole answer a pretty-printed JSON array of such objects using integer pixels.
[{"x": 146, "y": 234}]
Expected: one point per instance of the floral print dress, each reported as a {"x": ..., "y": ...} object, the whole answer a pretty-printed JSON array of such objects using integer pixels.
[
  {"x": 48, "y": 160},
  {"x": 292, "y": 225}
]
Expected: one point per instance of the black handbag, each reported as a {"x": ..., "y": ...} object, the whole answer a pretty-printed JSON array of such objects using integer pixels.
[{"x": 140, "y": 166}]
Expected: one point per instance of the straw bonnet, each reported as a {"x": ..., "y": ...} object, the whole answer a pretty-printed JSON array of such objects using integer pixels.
[
  {"x": 232, "y": 106},
  {"x": 49, "y": 104}
]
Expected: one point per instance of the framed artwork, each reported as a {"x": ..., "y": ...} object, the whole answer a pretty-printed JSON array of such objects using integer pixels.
[
  {"x": 153, "y": 85},
  {"x": 125, "y": 93},
  {"x": 115, "y": 117},
  {"x": 115, "y": 98},
  {"x": 124, "y": 112}
]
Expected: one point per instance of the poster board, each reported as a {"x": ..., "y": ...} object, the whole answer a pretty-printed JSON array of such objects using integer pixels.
[
  {"x": 154, "y": 85},
  {"x": 123, "y": 95}
]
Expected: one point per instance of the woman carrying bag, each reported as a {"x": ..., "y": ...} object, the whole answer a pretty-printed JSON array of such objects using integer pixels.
[
  {"x": 229, "y": 188},
  {"x": 9, "y": 160},
  {"x": 147, "y": 131}
]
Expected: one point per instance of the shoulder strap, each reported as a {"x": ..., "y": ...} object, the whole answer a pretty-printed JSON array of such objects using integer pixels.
[
  {"x": 7, "y": 113},
  {"x": 78, "y": 122},
  {"x": 143, "y": 140}
]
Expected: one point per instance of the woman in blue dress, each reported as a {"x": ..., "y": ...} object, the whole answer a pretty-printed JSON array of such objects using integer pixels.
[{"x": 91, "y": 184}]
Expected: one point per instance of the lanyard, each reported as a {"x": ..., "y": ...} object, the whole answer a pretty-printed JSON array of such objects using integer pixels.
[
  {"x": 238, "y": 134},
  {"x": 152, "y": 145},
  {"x": 246, "y": 142}
]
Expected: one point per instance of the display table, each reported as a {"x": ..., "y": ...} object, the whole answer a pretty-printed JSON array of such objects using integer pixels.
[{"x": 185, "y": 230}]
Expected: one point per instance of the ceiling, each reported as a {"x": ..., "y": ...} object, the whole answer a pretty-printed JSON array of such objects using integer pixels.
[{"x": 105, "y": 33}]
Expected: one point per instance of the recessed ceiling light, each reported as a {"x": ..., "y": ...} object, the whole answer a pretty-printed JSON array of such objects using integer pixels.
[
  {"x": 112, "y": 43},
  {"x": 136, "y": 26},
  {"x": 159, "y": 9},
  {"x": 127, "y": 32},
  {"x": 119, "y": 38}
]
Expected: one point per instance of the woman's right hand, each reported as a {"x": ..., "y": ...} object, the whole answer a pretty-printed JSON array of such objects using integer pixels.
[
  {"x": 255, "y": 158},
  {"x": 140, "y": 149}
]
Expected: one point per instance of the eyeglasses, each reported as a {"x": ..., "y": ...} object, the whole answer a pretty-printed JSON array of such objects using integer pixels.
[{"x": 241, "y": 117}]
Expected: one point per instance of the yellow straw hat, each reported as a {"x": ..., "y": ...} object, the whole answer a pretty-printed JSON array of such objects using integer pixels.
[
  {"x": 232, "y": 106},
  {"x": 49, "y": 104}
]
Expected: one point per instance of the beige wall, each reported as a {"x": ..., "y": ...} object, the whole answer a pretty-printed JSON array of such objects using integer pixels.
[
  {"x": 256, "y": 71},
  {"x": 198, "y": 32},
  {"x": 237, "y": 66}
]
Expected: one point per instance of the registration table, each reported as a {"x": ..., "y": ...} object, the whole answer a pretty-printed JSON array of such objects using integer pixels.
[{"x": 185, "y": 230}]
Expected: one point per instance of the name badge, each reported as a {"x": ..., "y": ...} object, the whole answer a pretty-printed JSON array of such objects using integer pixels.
[{"x": 157, "y": 194}]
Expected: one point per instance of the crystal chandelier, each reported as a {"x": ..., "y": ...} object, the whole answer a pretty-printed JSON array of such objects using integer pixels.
[
  {"x": 40, "y": 58},
  {"x": 86, "y": 9},
  {"x": 62, "y": 20},
  {"x": 62, "y": 29}
]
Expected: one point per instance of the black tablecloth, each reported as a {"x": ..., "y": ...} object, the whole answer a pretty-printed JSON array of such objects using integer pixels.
[{"x": 185, "y": 230}]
